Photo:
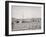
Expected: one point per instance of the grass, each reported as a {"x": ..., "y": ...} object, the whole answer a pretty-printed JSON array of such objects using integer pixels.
[{"x": 26, "y": 26}]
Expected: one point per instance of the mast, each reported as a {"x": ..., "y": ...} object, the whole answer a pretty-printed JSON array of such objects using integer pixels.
[{"x": 22, "y": 17}]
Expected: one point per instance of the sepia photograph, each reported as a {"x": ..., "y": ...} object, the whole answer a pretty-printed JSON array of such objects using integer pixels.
[{"x": 25, "y": 18}]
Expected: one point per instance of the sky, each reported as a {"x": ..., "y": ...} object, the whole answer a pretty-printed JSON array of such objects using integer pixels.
[{"x": 25, "y": 12}]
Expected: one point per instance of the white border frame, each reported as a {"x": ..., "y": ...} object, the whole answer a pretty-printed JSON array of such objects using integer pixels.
[{"x": 26, "y": 31}]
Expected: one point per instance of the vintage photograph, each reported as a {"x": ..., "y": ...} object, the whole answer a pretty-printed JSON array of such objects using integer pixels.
[{"x": 25, "y": 18}]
